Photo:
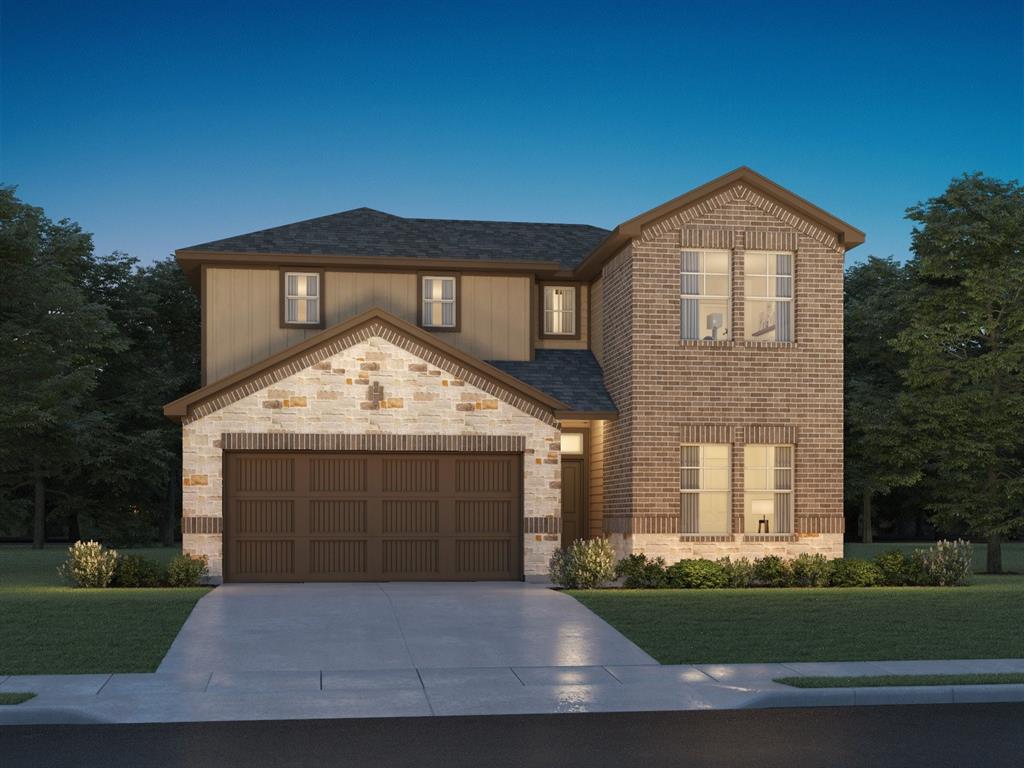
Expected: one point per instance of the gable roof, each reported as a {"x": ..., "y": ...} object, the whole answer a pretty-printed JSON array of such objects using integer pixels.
[
  {"x": 364, "y": 232},
  {"x": 375, "y": 322},
  {"x": 571, "y": 375},
  {"x": 847, "y": 235}
]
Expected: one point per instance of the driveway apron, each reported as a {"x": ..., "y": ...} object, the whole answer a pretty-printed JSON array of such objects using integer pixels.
[{"x": 313, "y": 627}]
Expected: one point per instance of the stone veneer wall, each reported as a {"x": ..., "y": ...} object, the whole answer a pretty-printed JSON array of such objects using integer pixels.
[
  {"x": 372, "y": 387},
  {"x": 736, "y": 391}
]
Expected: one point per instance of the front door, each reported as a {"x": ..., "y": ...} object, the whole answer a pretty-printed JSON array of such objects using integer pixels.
[{"x": 574, "y": 511}]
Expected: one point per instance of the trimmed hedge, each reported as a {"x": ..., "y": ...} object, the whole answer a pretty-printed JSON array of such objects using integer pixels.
[
  {"x": 946, "y": 564},
  {"x": 90, "y": 564}
]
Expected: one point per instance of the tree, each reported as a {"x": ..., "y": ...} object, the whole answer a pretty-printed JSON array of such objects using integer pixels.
[
  {"x": 965, "y": 355},
  {"x": 53, "y": 342},
  {"x": 880, "y": 450}
]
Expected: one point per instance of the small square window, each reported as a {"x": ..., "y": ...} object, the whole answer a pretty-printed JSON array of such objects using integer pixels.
[
  {"x": 559, "y": 311},
  {"x": 302, "y": 299},
  {"x": 572, "y": 443}
]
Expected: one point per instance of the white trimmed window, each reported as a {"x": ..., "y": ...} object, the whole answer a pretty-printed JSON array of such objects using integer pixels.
[
  {"x": 704, "y": 295},
  {"x": 302, "y": 298},
  {"x": 439, "y": 304},
  {"x": 768, "y": 312},
  {"x": 559, "y": 310},
  {"x": 768, "y": 489},
  {"x": 704, "y": 488}
]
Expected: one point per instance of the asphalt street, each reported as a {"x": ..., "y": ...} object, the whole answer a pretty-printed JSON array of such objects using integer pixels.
[{"x": 960, "y": 736}]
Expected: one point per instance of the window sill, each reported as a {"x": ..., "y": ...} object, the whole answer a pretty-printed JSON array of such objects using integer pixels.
[
  {"x": 768, "y": 344},
  {"x": 706, "y": 343}
]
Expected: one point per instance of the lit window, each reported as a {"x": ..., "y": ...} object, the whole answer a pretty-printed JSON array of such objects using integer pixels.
[
  {"x": 704, "y": 488},
  {"x": 559, "y": 310},
  {"x": 768, "y": 489},
  {"x": 302, "y": 298},
  {"x": 704, "y": 291},
  {"x": 768, "y": 281},
  {"x": 439, "y": 302},
  {"x": 572, "y": 443}
]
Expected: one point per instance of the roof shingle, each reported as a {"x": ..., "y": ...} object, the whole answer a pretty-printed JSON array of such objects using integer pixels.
[
  {"x": 571, "y": 375},
  {"x": 366, "y": 232}
]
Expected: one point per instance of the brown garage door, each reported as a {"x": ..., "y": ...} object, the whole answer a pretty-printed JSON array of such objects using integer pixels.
[{"x": 293, "y": 516}]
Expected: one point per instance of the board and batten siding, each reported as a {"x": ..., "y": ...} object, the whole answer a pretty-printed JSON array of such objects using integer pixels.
[{"x": 243, "y": 305}]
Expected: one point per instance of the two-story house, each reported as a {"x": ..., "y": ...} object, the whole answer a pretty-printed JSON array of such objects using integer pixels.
[{"x": 391, "y": 398}]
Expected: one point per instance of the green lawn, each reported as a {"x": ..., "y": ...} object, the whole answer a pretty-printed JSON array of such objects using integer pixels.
[
  {"x": 1013, "y": 552},
  {"x": 885, "y": 681},
  {"x": 47, "y": 628},
  {"x": 763, "y": 625}
]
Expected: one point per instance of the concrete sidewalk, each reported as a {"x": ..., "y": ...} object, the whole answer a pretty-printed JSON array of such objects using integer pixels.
[{"x": 425, "y": 691}]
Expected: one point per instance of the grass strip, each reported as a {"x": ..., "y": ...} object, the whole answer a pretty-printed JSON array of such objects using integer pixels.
[
  {"x": 15, "y": 698},
  {"x": 886, "y": 681}
]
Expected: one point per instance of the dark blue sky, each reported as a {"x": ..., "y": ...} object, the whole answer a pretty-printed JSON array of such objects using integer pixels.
[{"x": 161, "y": 125}]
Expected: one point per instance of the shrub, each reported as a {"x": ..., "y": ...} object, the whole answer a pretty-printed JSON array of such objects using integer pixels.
[
  {"x": 896, "y": 568},
  {"x": 738, "y": 573},
  {"x": 810, "y": 570},
  {"x": 771, "y": 571},
  {"x": 696, "y": 574},
  {"x": 186, "y": 571},
  {"x": 854, "y": 573},
  {"x": 642, "y": 573},
  {"x": 135, "y": 571},
  {"x": 584, "y": 564},
  {"x": 948, "y": 563},
  {"x": 89, "y": 564}
]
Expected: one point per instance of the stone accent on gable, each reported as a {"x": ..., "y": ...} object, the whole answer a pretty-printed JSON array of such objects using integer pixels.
[
  {"x": 427, "y": 357},
  {"x": 319, "y": 407}
]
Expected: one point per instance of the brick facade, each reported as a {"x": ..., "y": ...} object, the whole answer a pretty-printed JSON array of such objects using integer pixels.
[
  {"x": 736, "y": 391},
  {"x": 371, "y": 395}
]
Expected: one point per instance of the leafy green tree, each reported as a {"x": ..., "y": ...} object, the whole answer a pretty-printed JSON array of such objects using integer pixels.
[
  {"x": 54, "y": 340},
  {"x": 880, "y": 451},
  {"x": 964, "y": 342}
]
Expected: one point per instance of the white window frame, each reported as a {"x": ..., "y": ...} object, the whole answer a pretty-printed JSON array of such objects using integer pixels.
[
  {"x": 704, "y": 489},
  {"x": 769, "y": 470},
  {"x": 427, "y": 303},
  {"x": 292, "y": 299},
  {"x": 552, "y": 313},
  {"x": 702, "y": 296},
  {"x": 770, "y": 295}
]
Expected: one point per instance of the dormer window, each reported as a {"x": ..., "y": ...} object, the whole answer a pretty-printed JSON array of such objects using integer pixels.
[
  {"x": 439, "y": 302},
  {"x": 558, "y": 313},
  {"x": 302, "y": 300}
]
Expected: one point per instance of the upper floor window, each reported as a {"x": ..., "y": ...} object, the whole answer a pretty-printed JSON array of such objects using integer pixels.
[
  {"x": 439, "y": 302},
  {"x": 704, "y": 295},
  {"x": 559, "y": 311},
  {"x": 302, "y": 299},
  {"x": 704, "y": 488},
  {"x": 768, "y": 489},
  {"x": 769, "y": 296}
]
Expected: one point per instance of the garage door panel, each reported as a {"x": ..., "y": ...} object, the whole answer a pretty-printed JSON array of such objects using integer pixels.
[
  {"x": 265, "y": 557},
  {"x": 408, "y": 475},
  {"x": 483, "y": 556},
  {"x": 337, "y": 557},
  {"x": 338, "y": 516},
  {"x": 342, "y": 474},
  {"x": 265, "y": 516},
  {"x": 318, "y": 516},
  {"x": 484, "y": 516},
  {"x": 265, "y": 473}
]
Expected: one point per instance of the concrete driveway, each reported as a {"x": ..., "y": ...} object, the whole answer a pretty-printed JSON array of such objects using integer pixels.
[{"x": 393, "y": 626}]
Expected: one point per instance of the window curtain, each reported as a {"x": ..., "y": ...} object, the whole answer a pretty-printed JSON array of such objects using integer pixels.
[
  {"x": 689, "y": 285},
  {"x": 784, "y": 288},
  {"x": 783, "y": 481}
]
